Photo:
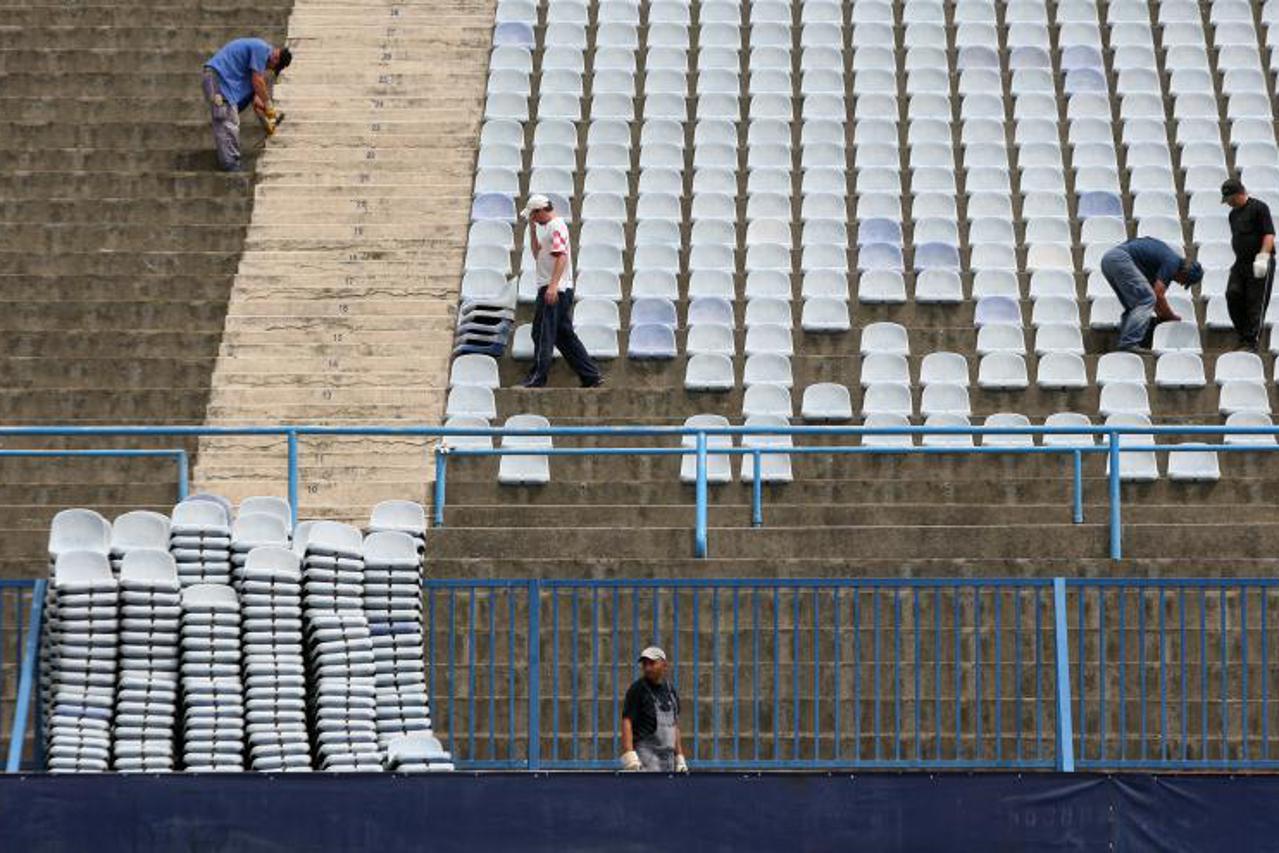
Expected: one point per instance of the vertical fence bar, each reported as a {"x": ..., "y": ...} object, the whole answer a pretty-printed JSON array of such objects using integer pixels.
[
  {"x": 1039, "y": 673},
  {"x": 1122, "y": 730},
  {"x": 184, "y": 474},
  {"x": 1017, "y": 672},
  {"x": 453, "y": 726},
  {"x": 1116, "y": 530},
  {"x": 836, "y": 662},
  {"x": 1225, "y": 665},
  {"x": 430, "y": 658},
  {"x": 574, "y": 683},
  {"x": 510, "y": 674},
  {"x": 794, "y": 668},
  {"x": 1078, "y": 459},
  {"x": 1265, "y": 678},
  {"x": 441, "y": 480},
  {"x": 492, "y": 685},
  {"x": 937, "y": 672},
  {"x": 697, "y": 686},
  {"x": 737, "y": 728},
  {"x": 715, "y": 673},
  {"x": 1065, "y": 735},
  {"x": 919, "y": 754},
  {"x": 977, "y": 632},
  {"x": 534, "y": 675},
  {"x": 617, "y": 722},
  {"x": 817, "y": 674},
  {"x": 555, "y": 673},
  {"x": 595, "y": 673},
  {"x": 1243, "y": 669},
  {"x": 757, "y": 493},
  {"x": 470, "y": 675},
  {"x": 293, "y": 475},
  {"x": 699, "y": 534},
  {"x": 897, "y": 680},
  {"x": 999, "y": 706},
  {"x": 959, "y": 679},
  {"x": 1141, "y": 670},
  {"x": 876, "y": 692},
  {"x": 1163, "y": 679},
  {"x": 1185, "y": 677},
  {"x": 26, "y": 678},
  {"x": 755, "y": 665},
  {"x": 857, "y": 677},
  {"x": 1203, "y": 669},
  {"x": 1082, "y": 719}
]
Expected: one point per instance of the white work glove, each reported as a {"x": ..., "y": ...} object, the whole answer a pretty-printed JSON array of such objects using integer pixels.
[
  {"x": 681, "y": 766},
  {"x": 1261, "y": 266},
  {"x": 630, "y": 760}
]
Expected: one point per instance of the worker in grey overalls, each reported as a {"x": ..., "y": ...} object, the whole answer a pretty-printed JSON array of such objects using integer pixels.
[{"x": 650, "y": 719}]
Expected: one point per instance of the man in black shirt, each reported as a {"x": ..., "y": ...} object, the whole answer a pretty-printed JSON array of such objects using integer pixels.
[
  {"x": 1252, "y": 236},
  {"x": 650, "y": 719}
]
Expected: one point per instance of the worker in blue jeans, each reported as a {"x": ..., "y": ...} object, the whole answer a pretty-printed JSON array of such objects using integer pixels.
[
  {"x": 1139, "y": 272},
  {"x": 234, "y": 78}
]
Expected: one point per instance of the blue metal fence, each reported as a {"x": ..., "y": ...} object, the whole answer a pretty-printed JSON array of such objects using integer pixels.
[
  {"x": 776, "y": 673},
  {"x": 789, "y": 674}
]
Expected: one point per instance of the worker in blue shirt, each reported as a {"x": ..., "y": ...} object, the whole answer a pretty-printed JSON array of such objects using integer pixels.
[
  {"x": 234, "y": 78},
  {"x": 1139, "y": 272}
]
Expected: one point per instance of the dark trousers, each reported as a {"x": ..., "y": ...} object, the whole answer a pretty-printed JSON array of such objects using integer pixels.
[
  {"x": 1245, "y": 297},
  {"x": 552, "y": 329}
]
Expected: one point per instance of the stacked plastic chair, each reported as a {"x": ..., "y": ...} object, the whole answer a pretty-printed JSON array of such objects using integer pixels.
[
  {"x": 417, "y": 753},
  {"x": 254, "y": 530},
  {"x": 339, "y": 647},
  {"x": 71, "y": 530},
  {"x": 200, "y": 541},
  {"x": 84, "y": 646},
  {"x": 393, "y": 604},
  {"x": 147, "y": 699},
  {"x": 274, "y": 669},
  {"x": 137, "y": 530},
  {"x": 212, "y": 690}
]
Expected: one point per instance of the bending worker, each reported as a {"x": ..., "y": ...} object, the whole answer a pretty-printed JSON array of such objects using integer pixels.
[
  {"x": 234, "y": 78},
  {"x": 650, "y": 719},
  {"x": 1139, "y": 272},
  {"x": 1252, "y": 236}
]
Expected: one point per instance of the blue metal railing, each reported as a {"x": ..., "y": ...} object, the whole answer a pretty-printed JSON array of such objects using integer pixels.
[
  {"x": 21, "y": 607},
  {"x": 702, "y": 451},
  {"x": 781, "y": 674},
  {"x": 793, "y": 674}
]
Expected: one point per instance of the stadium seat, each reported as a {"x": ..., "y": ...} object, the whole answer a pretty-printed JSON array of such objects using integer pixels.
[
  {"x": 773, "y": 467},
  {"x": 525, "y": 470},
  {"x": 1007, "y": 419},
  {"x": 718, "y": 468}
]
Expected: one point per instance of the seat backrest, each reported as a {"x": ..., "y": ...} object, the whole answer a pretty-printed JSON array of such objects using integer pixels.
[
  {"x": 139, "y": 529},
  {"x": 943, "y": 367},
  {"x": 526, "y": 422},
  {"x": 885, "y": 338}
]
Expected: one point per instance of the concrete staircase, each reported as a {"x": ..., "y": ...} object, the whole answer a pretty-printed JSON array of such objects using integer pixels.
[
  {"x": 343, "y": 304},
  {"x": 118, "y": 241}
]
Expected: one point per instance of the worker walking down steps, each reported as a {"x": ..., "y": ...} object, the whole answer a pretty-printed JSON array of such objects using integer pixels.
[{"x": 234, "y": 78}]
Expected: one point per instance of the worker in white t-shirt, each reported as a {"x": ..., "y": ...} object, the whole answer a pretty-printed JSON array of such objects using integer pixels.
[{"x": 553, "y": 317}]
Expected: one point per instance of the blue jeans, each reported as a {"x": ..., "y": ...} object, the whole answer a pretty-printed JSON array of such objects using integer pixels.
[
  {"x": 553, "y": 329},
  {"x": 226, "y": 124},
  {"x": 1135, "y": 294}
]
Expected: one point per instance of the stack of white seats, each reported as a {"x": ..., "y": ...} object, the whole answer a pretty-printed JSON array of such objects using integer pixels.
[
  {"x": 340, "y": 648},
  {"x": 84, "y": 646},
  {"x": 393, "y": 604},
  {"x": 274, "y": 667},
  {"x": 212, "y": 688},
  {"x": 71, "y": 530},
  {"x": 137, "y": 530},
  {"x": 417, "y": 753},
  {"x": 147, "y": 700},
  {"x": 200, "y": 541}
]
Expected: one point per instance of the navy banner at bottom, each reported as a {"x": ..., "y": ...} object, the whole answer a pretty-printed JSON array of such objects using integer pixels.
[{"x": 585, "y": 811}]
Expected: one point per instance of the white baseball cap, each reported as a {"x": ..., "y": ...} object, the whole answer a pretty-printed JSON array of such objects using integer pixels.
[
  {"x": 535, "y": 202},
  {"x": 652, "y": 653}
]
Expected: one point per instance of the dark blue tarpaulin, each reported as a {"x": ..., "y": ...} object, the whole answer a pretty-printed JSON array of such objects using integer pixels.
[{"x": 584, "y": 811}]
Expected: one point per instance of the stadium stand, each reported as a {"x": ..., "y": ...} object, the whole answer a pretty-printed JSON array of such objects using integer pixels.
[
  {"x": 928, "y": 188},
  {"x": 119, "y": 241}
]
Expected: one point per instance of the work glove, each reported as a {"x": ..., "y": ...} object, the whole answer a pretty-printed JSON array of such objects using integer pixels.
[
  {"x": 630, "y": 760},
  {"x": 681, "y": 766},
  {"x": 1261, "y": 266},
  {"x": 268, "y": 124}
]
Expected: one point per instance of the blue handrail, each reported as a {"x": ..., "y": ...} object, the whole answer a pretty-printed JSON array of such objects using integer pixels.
[
  {"x": 294, "y": 433},
  {"x": 178, "y": 455}
]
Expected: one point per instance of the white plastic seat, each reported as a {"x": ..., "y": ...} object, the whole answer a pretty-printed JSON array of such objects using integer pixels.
[
  {"x": 525, "y": 470},
  {"x": 884, "y": 367},
  {"x": 1244, "y": 396},
  {"x": 943, "y": 367},
  {"x": 773, "y": 467},
  {"x": 766, "y": 399},
  {"x": 947, "y": 419},
  {"x": 1249, "y": 419},
  {"x": 767, "y": 368},
  {"x": 887, "y": 398},
  {"x": 825, "y": 315},
  {"x": 1002, "y": 371},
  {"x": 1062, "y": 371},
  {"x": 938, "y": 287},
  {"x": 826, "y": 401},
  {"x": 710, "y": 339},
  {"x": 1007, "y": 420},
  {"x": 1124, "y": 398},
  {"x": 1001, "y": 337},
  {"x": 945, "y": 398},
  {"x": 708, "y": 372},
  {"x": 888, "y": 338},
  {"x": 1062, "y": 420},
  {"x": 1193, "y": 466},
  {"x": 1180, "y": 370},
  {"x": 718, "y": 468},
  {"x": 882, "y": 286},
  {"x": 474, "y": 369},
  {"x": 1238, "y": 366},
  {"x": 1177, "y": 337},
  {"x": 1134, "y": 466}
]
